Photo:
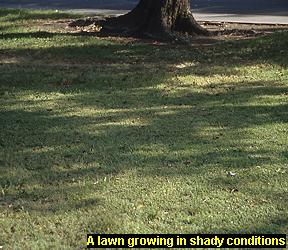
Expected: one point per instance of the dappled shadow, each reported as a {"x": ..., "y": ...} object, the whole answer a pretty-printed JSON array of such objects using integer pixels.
[
  {"x": 247, "y": 51},
  {"x": 114, "y": 107},
  {"x": 199, "y": 131}
]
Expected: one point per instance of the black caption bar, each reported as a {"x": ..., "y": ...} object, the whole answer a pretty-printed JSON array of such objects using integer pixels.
[{"x": 186, "y": 241}]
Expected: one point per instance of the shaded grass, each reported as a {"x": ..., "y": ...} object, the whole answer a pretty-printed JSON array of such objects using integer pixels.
[
  {"x": 105, "y": 135},
  {"x": 22, "y": 15}
]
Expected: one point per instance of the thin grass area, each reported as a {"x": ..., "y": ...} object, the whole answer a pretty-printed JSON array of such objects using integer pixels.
[{"x": 105, "y": 135}]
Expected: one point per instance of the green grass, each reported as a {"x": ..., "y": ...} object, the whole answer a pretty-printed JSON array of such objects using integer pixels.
[{"x": 102, "y": 135}]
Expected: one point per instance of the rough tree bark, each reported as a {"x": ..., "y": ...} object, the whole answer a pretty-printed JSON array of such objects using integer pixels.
[{"x": 155, "y": 18}]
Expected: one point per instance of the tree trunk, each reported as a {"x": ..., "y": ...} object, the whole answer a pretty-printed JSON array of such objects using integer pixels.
[{"x": 156, "y": 18}]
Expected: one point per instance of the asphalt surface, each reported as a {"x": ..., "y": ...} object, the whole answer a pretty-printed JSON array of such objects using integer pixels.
[{"x": 247, "y": 11}]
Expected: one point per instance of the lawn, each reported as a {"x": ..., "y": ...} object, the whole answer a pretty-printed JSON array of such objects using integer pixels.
[{"x": 116, "y": 135}]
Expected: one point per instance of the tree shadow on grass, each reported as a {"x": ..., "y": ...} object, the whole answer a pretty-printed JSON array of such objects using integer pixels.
[
  {"x": 110, "y": 115},
  {"x": 201, "y": 126},
  {"x": 268, "y": 49}
]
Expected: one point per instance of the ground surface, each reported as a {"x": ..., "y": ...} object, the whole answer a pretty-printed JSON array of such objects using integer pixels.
[
  {"x": 251, "y": 11},
  {"x": 120, "y": 135}
]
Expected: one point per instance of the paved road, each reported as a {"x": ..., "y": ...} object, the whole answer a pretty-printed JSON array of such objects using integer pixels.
[{"x": 259, "y": 11}]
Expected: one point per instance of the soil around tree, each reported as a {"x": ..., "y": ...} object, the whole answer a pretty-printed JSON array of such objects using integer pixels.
[{"x": 220, "y": 31}]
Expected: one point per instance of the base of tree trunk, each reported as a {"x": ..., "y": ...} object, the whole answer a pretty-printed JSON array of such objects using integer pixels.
[
  {"x": 158, "y": 19},
  {"x": 161, "y": 20}
]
